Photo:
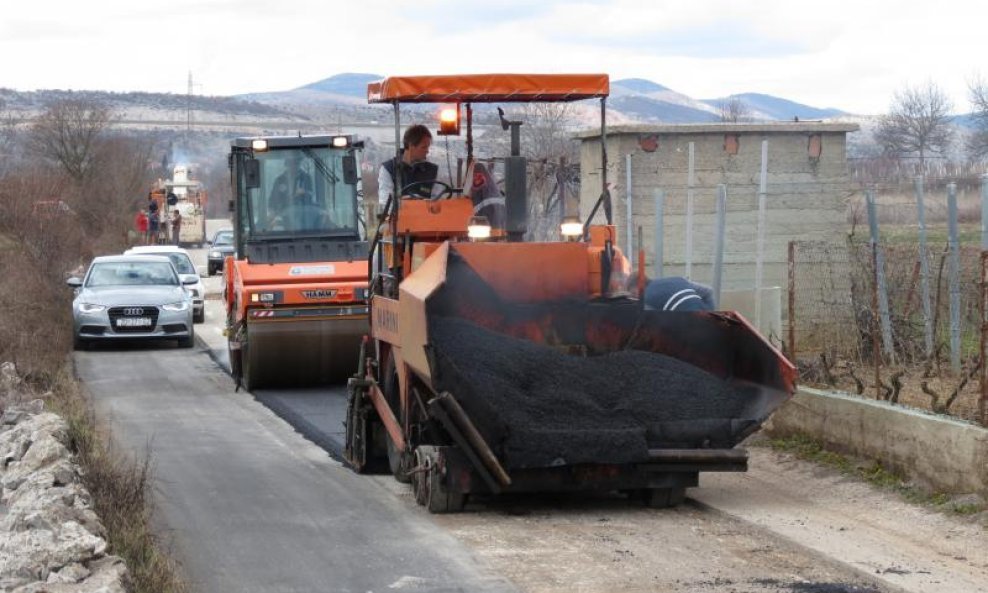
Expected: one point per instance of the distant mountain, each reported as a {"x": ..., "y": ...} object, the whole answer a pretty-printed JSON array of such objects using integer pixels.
[
  {"x": 348, "y": 83},
  {"x": 767, "y": 107},
  {"x": 644, "y": 108},
  {"x": 639, "y": 85}
]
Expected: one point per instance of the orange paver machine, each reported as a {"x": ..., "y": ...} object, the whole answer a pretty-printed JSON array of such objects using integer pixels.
[
  {"x": 296, "y": 290},
  {"x": 493, "y": 364}
]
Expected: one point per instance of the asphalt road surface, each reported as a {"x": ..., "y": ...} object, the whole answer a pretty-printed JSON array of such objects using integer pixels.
[{"x": 253, "y": 498}]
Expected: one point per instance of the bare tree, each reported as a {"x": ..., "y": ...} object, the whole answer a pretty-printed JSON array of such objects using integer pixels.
[
  {"x": 553, "y": 157},
  {"x": 68, "y": 133},
  {"x": 977, "y": 143},
  {"x": 917, "y": 124},
  {"x": 734, "y": 110},
  {"x": 8, "y": 137}
]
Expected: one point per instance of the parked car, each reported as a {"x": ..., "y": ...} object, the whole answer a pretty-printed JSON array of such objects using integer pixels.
[
  {"x": 220, "y": 247},
  {"x": 183, "y": 263},
  {"x": 131, "y": 297}
]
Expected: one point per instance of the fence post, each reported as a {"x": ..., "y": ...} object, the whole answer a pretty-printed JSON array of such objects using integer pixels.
[
  {"x": 760, "y": 244},
  {"x": 876, "y": 355},
  {"x": 881, "y": 290},
  {"x": 660, "y": 204},
  {"x": 924, "y": 268},
  {"x": 983, "y": 400},
  {"x": 689, "y": 216},
  {"x": 628, "y": 242},
  {"x": 792, "y": 302},
  {"x": 719, "y": 241},
  {"x": 955, "y": 289},
  {"x": 984, "y": 211}
]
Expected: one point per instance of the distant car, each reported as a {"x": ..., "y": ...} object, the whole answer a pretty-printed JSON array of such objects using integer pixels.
[
  {"x": 125, "y": 297},
  {"x": 220, "y": 247},
  {"x": 183, "y": 263}
]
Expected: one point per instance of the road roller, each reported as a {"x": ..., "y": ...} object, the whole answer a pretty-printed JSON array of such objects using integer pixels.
[
  {"x": 296, "y": 287},
  {"x": 495, "y": 364}
]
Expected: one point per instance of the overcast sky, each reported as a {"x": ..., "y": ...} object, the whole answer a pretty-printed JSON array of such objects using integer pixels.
[{"x": 843, "y": 54}]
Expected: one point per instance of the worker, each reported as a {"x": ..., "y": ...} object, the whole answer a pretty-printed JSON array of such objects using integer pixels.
[
  {"x": 488, "y": 201},
  {"x": 292, "y": 186},
  {"x": 413, "y": 165},
  {"x": 141, "y": 224},
  {"x": 674, "y": 293},
  {"x": 153, "y": 221},
  {"x": 176, "y": 225}
]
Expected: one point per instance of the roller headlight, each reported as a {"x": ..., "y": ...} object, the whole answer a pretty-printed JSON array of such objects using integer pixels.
[
  {"x": 91, "y": 308},
  {"x": 182, "y": 306}
]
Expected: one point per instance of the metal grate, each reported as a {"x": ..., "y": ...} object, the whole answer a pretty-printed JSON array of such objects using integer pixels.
[{"x": 119, "y": 313}]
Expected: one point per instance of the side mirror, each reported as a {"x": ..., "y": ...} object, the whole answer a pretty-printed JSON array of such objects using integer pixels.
[
  {"x": 209, "y": 243},
  {"x": 74, "y": 282},
  {"x": 252, "y": 174},
  {"x": 229, "y": 205},
  {"x": 350, "y": 176},
  {"x": 190, "y": 278}
]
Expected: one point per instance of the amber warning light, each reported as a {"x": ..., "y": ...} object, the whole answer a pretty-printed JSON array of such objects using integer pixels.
[{"x": 449, "y": 121}]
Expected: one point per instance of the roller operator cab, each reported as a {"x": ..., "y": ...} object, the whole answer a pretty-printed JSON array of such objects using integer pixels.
[{"x": 296, "y": 288}]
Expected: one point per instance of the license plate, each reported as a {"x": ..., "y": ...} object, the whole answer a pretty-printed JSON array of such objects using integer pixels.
[{"x": 134, "y": 322}]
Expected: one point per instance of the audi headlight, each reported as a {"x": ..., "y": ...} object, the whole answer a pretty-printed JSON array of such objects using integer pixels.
[
  {"x": 90, "y": 308},
  {"x": 182, "y": 306}
]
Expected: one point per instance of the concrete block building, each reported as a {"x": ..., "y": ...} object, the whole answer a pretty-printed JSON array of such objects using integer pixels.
[{"x": 807, "y": 191}]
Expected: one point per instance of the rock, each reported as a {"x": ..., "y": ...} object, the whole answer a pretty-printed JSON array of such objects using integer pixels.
[
  {"x": 9, "y": 380},
  {"x": 51, "y": 541},
  {"x": 70, "y": 573},
  {"x": 23, "y": 557},
  {"x": 43, "y": 452},
  {"x": 107, "y": 575}
]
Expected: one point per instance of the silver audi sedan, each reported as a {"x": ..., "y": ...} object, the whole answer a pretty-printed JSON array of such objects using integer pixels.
[{"x": 126, "y": 297}]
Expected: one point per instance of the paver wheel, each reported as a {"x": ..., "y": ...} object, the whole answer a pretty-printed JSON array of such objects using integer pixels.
[
  {"x": 396, "y": 460},
  {"x": 438, "y": 497}
]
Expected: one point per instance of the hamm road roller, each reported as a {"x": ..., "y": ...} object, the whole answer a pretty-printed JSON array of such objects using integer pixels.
[
  {"x": 296, "y": 288},
  {"x": 495, "y": 365}
]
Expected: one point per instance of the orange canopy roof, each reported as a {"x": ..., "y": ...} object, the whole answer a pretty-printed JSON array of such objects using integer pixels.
[{"x": 481, "y": 88}]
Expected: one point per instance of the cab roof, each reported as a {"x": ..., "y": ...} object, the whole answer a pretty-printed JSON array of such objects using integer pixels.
[
  {"x": 275, "y": 142},
  {"x": 488, "y": 88}
]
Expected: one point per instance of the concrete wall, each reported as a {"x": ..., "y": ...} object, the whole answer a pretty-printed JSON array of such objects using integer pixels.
[
  {"x": 806, "y": 196},
  {"x": 942, "y": 454}
]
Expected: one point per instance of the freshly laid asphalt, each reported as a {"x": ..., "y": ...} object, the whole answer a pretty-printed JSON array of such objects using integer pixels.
[{"x": 247, "y": 503}]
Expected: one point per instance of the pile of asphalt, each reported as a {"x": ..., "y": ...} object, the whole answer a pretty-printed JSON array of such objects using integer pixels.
[{"x": 538, "y": 407}]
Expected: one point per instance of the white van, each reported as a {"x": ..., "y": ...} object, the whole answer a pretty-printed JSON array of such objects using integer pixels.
[{"x": 183, "y": 263}]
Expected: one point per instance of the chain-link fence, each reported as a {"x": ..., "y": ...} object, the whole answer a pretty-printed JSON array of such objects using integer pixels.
[{"x": 846, "y": 321}]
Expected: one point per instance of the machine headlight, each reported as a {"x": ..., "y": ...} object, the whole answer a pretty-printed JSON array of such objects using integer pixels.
[
  {"x": 571, "y": 227},
  {"x": 215, "y": 254},
  {"x": 361, "y": 293},
  {"x": 479, "y": 228},
  {"x": 265, "y": 297},
  {"x": 91, "y": 308},
  {"x": 181, "y": 306}
]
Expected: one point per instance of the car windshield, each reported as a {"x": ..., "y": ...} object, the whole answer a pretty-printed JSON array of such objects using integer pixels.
[
  {"x": 223, "y": 238},
  {"x": 143, "y": 273},
  {"x": 302, "y": 192},
  {"x": 180, "y": 260}
]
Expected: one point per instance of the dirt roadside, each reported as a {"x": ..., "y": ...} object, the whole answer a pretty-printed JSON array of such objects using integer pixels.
[{"x": 785, "y": 526}]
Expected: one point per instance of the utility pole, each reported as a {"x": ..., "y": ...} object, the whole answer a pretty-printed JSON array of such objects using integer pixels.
[{"x": 188, "y": 108}]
